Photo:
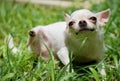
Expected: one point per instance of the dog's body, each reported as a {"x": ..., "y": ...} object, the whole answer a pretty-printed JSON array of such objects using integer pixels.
[
  {"x": 80, "y": 34},
  {"x": 50, "y": 37}
]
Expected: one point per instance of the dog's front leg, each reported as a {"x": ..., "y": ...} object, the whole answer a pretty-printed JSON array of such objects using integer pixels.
[{"x": 63, "y": 55}]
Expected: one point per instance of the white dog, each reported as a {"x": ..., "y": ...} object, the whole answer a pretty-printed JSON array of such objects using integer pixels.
[{"x": 81, "y": 34}]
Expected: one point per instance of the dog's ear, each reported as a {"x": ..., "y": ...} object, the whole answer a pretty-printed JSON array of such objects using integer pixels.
[
  {"x": 103, "y": 17},
  {"x": 67, "y": 17}
]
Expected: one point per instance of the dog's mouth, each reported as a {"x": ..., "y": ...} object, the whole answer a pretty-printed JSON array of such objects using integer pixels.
[{"x": 84, "y": 30}]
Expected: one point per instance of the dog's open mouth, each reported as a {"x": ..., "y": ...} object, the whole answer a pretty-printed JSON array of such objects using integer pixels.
[{"x": 84, "y": 30}]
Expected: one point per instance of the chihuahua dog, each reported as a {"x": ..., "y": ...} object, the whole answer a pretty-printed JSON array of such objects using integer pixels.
[
  {"x": 80, "y": 34},
  {"x": 84, "y": 36}
]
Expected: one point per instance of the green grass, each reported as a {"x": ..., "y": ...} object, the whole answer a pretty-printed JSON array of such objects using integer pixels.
[{"x": 17, "y": 19}]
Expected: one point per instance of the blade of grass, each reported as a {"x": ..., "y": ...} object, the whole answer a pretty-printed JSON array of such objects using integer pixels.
[{"x": 95, "y": 74}]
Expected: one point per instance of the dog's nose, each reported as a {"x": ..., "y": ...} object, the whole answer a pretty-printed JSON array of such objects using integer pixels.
[{"x": 82, "y": 23}]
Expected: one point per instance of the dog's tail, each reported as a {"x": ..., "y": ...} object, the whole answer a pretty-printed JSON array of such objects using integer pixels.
[{"x": 10, "y": 44}]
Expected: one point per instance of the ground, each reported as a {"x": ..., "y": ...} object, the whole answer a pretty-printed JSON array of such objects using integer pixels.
[{"x": 16, "y": 19}]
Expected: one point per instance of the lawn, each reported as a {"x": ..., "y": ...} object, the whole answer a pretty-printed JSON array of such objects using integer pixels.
[{"x": 16, "y": 19}]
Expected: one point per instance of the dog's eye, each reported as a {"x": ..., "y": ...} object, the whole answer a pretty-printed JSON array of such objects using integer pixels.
[
  {"x": 71, "y": 23},
  {"x": 93, "y": 18}
]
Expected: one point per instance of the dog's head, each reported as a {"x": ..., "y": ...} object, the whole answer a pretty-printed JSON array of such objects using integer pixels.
[{"x": 85, "y": 20}]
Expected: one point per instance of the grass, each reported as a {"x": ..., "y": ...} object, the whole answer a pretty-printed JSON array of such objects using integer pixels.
[{"x": 17, "y": 19}]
